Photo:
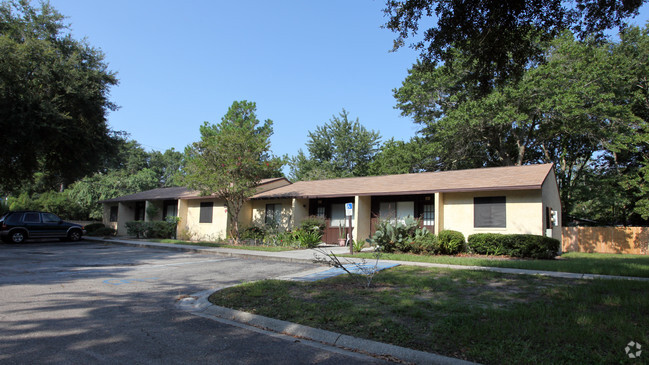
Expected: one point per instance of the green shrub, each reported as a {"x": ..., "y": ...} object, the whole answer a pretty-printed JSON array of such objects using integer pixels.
[
  {"x": 451, "y": 242},
  {"x": 156, "y": 229},
  {"x": 313, "y": 223},
  {"x": 515, "y": 245},
  {"x": 533, "y": 246},
  {"x": 90, "y": 228},
  {"x": 103, "y": 231},
  {"x": 488, "y": 244},
  {"x": 358, "y": 245},
  {"x": 283, "y": 239},
  {"x": 135, "y": 228},
  {"x": 159, "y": 229},
  {"x": 427, "y": 244},
  {"x": 253, "y": 233},
  {"x": 390, "y": 236},
  {"x": 308, "y": 238}
]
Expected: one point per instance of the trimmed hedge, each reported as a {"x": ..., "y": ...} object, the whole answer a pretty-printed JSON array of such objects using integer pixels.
[
  {"x": 515, "y": 245},
  {"x": 451, "y": 242},
  {"x": 103, "y": 231},
  {"x": 156, "y": 229},
  {"x": 92, "y": 227}
]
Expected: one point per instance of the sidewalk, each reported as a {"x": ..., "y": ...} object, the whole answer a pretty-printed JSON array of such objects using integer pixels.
[{"x": 308, "y": 256}]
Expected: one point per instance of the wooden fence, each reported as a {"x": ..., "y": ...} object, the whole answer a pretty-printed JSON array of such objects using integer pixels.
[{"x": 631, "y": 240}]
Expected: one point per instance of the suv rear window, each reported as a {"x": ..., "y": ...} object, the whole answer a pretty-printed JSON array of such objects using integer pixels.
[
  {"x": 13, "y": 218},
  {"x": 32, "y": 218}
]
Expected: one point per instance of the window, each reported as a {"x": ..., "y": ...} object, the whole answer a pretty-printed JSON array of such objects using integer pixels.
[
  {"x": 13, "y": 219},
  {"x": 32, "y": 218},
  {"x": 273, "y": 213},
  {"x": 396, "y": 211},
  {"x": 429, "y": 215},
  {"x": 113, "y": 213},
  {"x": 170, "y": 208},
  {"x": 338, "y": 217},
  {"x": 489, "y": 212},
  {"x": 139, "y": 211},
  {"x": 387, "y": 211},
  {"x": 207, "y": 208},
  {"x": 50, "y": 218},
  {"x": 405, "y": 209},
  {"x": 321, "y": 212}
]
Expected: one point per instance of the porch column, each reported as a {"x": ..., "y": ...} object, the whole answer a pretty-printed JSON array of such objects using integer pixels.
[
  {"x": 439, "y": 213},
  {"x": 183, "y": 207},
  {"x": 362, "y": 217},
  {"x": 125, "y": 213}
]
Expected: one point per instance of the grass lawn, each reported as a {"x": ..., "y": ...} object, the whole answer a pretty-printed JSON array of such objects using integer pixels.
[
  {"x": 585, "y": 263},
  {"x": 486, "y": 317},
  {"x": 223, "y": 245}
]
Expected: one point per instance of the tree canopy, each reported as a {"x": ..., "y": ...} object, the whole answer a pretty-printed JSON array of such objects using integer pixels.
[
  {"x": 339, "y": 148},
  {"x": 231, "y": 158},
  {"x": 53, "y": 99},
  {"x": 499, "y": 38},
  {"x": 583, "y": 108},
  {"x": 399, "y": 157}
]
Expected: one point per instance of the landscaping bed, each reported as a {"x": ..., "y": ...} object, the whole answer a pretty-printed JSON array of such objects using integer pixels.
[{"x": 480, "y": 316}]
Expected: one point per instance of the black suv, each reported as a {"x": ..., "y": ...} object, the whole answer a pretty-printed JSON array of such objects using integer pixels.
[{"x": 16, "y": 227}]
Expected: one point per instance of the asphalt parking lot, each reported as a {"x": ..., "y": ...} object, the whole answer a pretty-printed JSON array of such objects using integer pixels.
[{"x": 88, "y": 302}]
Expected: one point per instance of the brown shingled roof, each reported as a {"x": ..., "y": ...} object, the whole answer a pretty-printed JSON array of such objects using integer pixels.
[
  {"x": 156, "y": 194},
  {"x": 171, "y": 193},
  {"x": 483, "y": 179}
]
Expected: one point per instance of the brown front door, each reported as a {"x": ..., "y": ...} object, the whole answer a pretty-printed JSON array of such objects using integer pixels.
[{"x": 330, "y": 233}]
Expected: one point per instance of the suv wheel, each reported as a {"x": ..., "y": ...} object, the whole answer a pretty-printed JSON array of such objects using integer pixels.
[
  {"x": 18, "y": 237},
  {"x": 74, "y": 235}
]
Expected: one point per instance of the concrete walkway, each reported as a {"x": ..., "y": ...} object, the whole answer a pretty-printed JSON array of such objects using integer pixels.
[{"x": 309, "y": 255}]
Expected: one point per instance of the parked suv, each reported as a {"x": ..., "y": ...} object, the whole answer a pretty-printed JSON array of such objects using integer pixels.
[{"x": 16, "y": 227}]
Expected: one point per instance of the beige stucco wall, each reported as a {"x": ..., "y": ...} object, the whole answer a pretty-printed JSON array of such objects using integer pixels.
[
  {"x": 182, "y": 214},
  {"x": 362, "y": 217},
  {"x": 524, "y": 213},
  {"x": 300, "y": 210},
  {"x": 245, "y": 215},
  {"x": 552, "y": 199},
  {"x": 190, "y": 211},
  {"x": 106, "y": 215},
  {"x": 259, "y": 211},
  {"x": 125, "y": 213},
  {"x": 272, "y": 185}
]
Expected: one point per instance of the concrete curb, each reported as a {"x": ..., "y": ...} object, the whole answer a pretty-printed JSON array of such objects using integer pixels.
[{"x": 206, "y": 309}]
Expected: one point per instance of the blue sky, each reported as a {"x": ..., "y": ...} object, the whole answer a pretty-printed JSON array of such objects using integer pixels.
[{"x": 184, "y": 62}]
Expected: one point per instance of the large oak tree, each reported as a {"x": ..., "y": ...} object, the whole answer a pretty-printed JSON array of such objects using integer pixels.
[
  {"x": 583, "y": 108},
  {"x": 500, "y": 39},
  {"x": 53, "y": 99}
]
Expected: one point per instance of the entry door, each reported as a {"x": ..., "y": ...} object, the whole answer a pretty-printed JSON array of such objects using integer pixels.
[{"x": 334, "y": 224}]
